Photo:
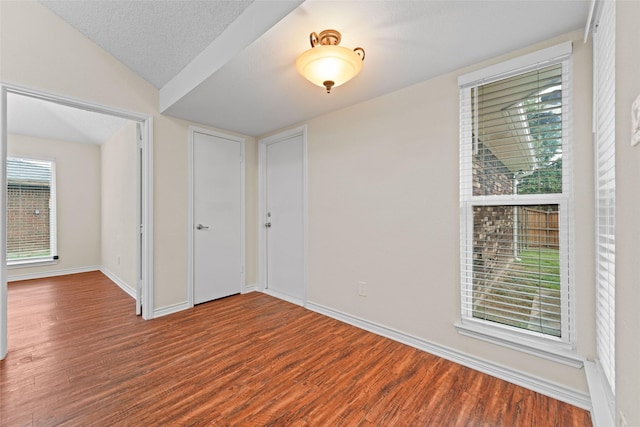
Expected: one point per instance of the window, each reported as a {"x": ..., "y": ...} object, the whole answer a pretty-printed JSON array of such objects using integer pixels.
[
  {"x": 516, "y": 200},
  {"x": 31, "y": 213}
]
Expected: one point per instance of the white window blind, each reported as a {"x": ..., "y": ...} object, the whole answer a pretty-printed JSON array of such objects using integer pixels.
[
  {"x": 31, "y": 229},
  {"x": 515, "y": 192},
  {"x": 604, "y": 92}
]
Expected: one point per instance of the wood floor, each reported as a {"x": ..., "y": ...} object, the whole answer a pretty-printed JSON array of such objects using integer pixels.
[{"x": 79, "y": 356}]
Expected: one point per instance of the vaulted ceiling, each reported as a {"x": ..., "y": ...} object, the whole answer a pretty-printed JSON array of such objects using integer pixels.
[{"x": 231, "y": 64}]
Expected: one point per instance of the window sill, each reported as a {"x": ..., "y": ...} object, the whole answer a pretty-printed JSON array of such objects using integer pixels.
[
  {"x": 30, "y": 263},
  {"x": 557, "y": 352}
]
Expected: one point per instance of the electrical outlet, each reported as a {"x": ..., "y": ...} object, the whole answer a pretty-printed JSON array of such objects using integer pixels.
[
  {"x": 362, "y": 289},
  {"x": 118, "y": 259}
]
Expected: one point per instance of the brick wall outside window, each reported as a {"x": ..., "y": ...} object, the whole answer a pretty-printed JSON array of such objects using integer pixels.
[{"x": 28, "y": 221}]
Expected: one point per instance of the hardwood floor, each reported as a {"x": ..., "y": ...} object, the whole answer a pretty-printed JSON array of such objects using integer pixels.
[{"x": 78, "y": 355}]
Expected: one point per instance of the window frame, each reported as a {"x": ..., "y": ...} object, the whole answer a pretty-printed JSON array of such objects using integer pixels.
[
  {"x": 53, "y": 229},
  {"x": 561, "y": 349}
]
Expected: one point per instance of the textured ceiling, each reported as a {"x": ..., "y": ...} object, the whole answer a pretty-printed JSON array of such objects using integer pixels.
[
  {"x": 242, "y": 77},
  {"x": 406, "y": 42},
  {"x": 156, "y": 39}
]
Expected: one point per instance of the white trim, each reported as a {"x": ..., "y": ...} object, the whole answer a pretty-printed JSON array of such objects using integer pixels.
[
  {"x": 147, "y": 184},
  {"x": 139, "y": 229},
  {"x": 531, "y": 382},
  {"x": 170, "y": 309},
  {"x": 74, "y": 102},
  {"x": 284, "y": 297},
  {"x": 190, "y": 222},
  {"x": 146, "y": 251},
  {"x": 243, "y": 217},
  {"x": 3, "y": 223},
  {"x": 54, "y": 273},
  {"x": 601, "y": 396},
  {"x": 118, "y": 281},
  {"x": 262, "y": 206},
  {"x": 33, "y": 262},
  {"x": 517, "y": 65},
  {"x": 588, "y": 27},
  {"x": 190, "y": 211},
  {"x": 518, "y": 200},
  {"x": 249, "y": 288},
  {"x": 559, "y": 350},
  {"x": 522, "y": 341},
  {"x": 53, "y": 214}
]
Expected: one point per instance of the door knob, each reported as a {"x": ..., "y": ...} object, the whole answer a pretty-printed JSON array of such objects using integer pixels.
[
  {"x": 268, "y": 225},
  {"x": 202, "y": 227}
]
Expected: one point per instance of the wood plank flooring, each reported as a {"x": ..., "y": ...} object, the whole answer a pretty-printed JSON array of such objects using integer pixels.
[{"x": 79, "y": 356}]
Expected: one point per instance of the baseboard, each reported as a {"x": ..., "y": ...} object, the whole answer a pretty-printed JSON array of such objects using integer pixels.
[
  {"x": 284, "y": 297},
  {"x": 249, "y": 288},
  {"x": 601, "y": 398},
  {"x": 53, "y": 273},
  {"x": 121, "y": 283},
  {"x": 174, "y": 308},
  {"x": 170, "y": 309},
  {"x": 531, "y": 382}
]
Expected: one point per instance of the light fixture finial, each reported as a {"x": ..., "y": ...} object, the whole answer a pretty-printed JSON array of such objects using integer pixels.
[{"x": 328, "y": 85}]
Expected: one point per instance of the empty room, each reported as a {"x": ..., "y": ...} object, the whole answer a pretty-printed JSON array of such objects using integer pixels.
[{"x": 322, "y": 213}]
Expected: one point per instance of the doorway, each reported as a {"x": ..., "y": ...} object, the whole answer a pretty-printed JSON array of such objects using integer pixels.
[
  {"x": 282, "y": 210},
  {"x": 216, "y": 217},
  {"x": 144, "y": 261}
]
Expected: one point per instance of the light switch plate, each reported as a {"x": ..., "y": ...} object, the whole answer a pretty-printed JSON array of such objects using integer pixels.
[
  {"x": 635, "y": 122},
  {"x": 362, "y": 289}
]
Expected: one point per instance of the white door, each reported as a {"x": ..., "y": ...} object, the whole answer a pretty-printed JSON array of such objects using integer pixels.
[
  {"x": 217, "y": 217},
  {"x": 285, "y": 218}
]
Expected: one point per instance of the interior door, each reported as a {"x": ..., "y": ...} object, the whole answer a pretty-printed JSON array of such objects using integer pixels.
[
  {"x": 217, "y": 194},
  {"x": 285, "y": 217}
]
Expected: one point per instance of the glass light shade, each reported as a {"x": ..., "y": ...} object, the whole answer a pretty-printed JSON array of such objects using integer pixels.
[{"x": 329, "y": 63}]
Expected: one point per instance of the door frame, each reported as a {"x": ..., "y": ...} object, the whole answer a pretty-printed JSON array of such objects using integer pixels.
[
  {"x": 190, "y": 209},
  {"x": 262, "y": 209},
  {"x": 145, "y": 289}
]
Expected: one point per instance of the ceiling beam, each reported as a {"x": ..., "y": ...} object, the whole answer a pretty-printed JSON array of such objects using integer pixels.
[{"x": 256, "y": 19}]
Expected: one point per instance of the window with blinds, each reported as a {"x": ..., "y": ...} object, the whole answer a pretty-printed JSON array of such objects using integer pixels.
[
  {"x": 31, "y": 229},
  {"x": 605, "y": 197},
  {"x": 515, "y": 200}
]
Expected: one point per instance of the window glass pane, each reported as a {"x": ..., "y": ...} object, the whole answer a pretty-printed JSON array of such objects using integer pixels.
[
  {"x": 28, "y": 209},
  {"x": 517, "y": 128},
  {"x": 516, "y": 267}
]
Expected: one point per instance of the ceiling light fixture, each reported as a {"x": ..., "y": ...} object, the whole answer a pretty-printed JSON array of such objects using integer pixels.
[{"x": 328, "y": 65}]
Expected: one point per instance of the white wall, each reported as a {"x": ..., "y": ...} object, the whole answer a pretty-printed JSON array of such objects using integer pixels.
[
  {"x": 119, "y": 229},
  {"x": 384, "y": 209},
  {"x": 383, "y": 173},
  {"x": 39, "y": 50},
  {"x": 78, "y": 200},
  {"x": 627, "y": 214}
]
